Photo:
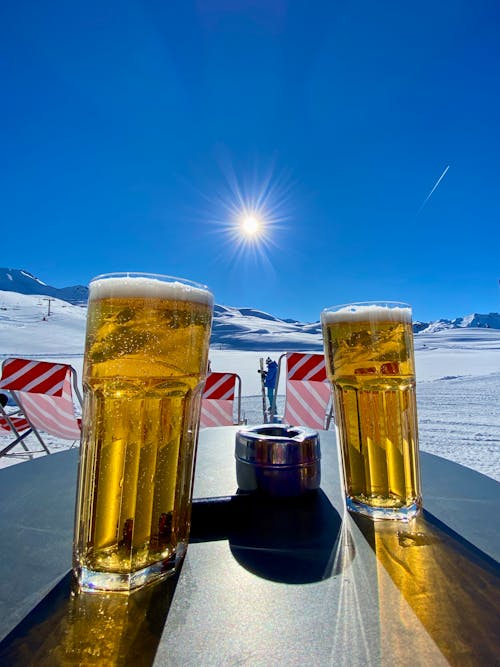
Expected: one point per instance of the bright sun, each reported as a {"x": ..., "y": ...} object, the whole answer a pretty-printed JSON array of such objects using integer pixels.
[
  {"x": 251, "y": 213},
  {"x": 250, "y": 225}
]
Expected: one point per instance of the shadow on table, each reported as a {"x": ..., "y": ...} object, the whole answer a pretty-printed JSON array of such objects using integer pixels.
[
  {"x": 451, "y": 586},
  {"x": 290, "y": 540},
  {"x": 90, "y": 628},
  {"x": 296, "y": 540}
]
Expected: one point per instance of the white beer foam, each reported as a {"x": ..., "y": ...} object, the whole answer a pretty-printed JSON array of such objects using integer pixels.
[
  {"x": 358, "y": 312},
  {"x": 144, "y": 287}
]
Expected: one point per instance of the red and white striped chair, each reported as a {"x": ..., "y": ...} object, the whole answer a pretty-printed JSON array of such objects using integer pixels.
[
  {"x": 217, "y": 404},
  {"x": 308, "y": 391},
  {"x": 43, "y": 391}
]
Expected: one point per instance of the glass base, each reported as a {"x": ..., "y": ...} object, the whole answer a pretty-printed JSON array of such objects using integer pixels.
[
  {"x": 93, "y": 581},
  {"x": 405, "y": 513}
]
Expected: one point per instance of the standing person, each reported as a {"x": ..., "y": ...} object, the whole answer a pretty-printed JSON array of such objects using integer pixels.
[{"x": 270, "y": 380}]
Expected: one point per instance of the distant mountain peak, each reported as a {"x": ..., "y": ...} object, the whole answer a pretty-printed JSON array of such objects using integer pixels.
[
  {"x": 475, "y": 320},
  {"x": 24, "y": 282}
]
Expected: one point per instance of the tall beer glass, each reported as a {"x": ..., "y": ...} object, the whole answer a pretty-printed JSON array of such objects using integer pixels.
[
  {"x": 146, "y": 357},
  {"x": 370, "y": 363}
]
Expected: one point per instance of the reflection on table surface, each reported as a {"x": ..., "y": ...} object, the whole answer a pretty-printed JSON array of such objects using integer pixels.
[
  {"x": 67, "y": 628},
  {"x": 276, "y": 582},
  {"x": 450, "y": 586}
]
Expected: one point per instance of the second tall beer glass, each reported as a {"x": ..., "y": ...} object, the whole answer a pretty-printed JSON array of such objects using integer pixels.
[
  {"x": 146, "y": 356},
  {"x": 370, "y": 363}
]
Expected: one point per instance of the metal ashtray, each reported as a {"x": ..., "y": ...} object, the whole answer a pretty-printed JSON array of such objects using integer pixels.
[{"x": 278, "y": 459}]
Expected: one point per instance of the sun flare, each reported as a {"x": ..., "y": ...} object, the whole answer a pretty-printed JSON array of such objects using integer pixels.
[
  {"x": 250, "y": 225},
  {"x": 251, "y": 212}
]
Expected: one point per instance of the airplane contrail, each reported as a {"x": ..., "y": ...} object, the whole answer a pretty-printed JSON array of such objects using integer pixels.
[{"x": 433, "y": 189}]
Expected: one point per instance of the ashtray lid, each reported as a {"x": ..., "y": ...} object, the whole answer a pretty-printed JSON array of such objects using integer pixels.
[{"x": 277, "y": 445}]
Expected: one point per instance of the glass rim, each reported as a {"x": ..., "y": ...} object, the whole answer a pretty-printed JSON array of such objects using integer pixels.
[
  {"x": 162, "y": 277},
  {"x": 382, "y": 303}
]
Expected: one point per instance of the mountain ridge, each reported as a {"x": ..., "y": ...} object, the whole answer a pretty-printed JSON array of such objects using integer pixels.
[{"x": 240, "y": 328}]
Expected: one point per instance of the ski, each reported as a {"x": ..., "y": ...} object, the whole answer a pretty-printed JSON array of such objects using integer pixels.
[{"x": 262, "y": 380}]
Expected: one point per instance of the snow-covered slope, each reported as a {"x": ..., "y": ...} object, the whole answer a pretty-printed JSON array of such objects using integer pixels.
[
  {"x": 458, "y": 368},
  {"x": 250, "y": 329},
  {"x": 233, "y": 328},
  {"x": 25, "y": 325}
]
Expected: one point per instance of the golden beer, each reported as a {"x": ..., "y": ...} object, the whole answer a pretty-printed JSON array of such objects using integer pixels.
[
  {"x": 370, "y": 363},
  {"x": 146, "y": 356}
]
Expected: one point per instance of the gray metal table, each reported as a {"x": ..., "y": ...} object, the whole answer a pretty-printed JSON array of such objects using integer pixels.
[{"x": 264, "y": 582}]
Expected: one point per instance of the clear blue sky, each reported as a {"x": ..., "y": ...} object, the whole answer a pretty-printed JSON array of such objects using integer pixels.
[{"x": 131, "y": 130}]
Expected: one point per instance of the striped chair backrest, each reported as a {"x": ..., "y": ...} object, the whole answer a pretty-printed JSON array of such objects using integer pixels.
[
  {"x": 218, "y": 400},
  {"x": 43, "y": 390},
  {"x": 40, "y": 377},
  {"x": 308, "y": 391}
]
